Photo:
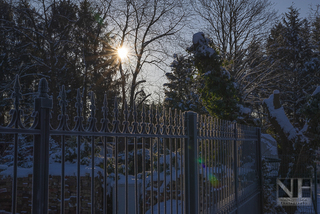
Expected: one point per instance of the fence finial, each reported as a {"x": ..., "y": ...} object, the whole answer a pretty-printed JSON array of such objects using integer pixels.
[
  {"x": 16, "y": 112},
  {"x": 17, "y": 86},
  {"x": 16, "y": 93},
  {"x": 78, "y": 119},
  {"x": 63, "y": 117},
  {"x": 105, "y": 121},
  {"x": 158, "y": 127},
  {"x": 143, "y": 123},
  {"x": 125, "y": 121},
  {"x": 150, "y": 113},
  {"x": 92, "y": 118},
  {"x": 63, "y": 100},
  {"x": 115, "y": 116},
  {"x": 164, "y": 120},
  {"x": 43, "y": 88},
  {"x": 135, "y": 121}
]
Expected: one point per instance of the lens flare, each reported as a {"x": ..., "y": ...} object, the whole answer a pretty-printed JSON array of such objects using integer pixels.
[
  {"x": 212, "y": 178},
  {"x": 214, "y": 181}
]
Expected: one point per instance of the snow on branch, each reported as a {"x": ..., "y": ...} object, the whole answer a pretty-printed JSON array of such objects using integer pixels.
[
  {"x": 276, "y": 111},
  {"x": 316, "y": 91}
]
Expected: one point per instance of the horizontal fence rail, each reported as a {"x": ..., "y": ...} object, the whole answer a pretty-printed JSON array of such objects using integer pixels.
[{"x": 142, "y": 160}]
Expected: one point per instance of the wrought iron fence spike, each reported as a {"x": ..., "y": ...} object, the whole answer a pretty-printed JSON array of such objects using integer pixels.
[
  {"x": 157, "y": 124},
  {"x": 164, "y": 120},
  {"x": 78, "y": 119},
  {"x": 104, "y": 120},
  {"x": 43, "y": 88},
  {"x": 16, "y": 112},
  {"x": 134, "y": 115},
  {"x": 115, "y": 116},
  {"x": 143, "y": 118},
  {"x": 170, "y": 131},
  {"x": 125, "y": 118},
  {"x": 175, "y": 122},
  {"x": 63, "y": 117},
  {"x": 151, "y": 131},
  {"x": 92, "y": 119}
]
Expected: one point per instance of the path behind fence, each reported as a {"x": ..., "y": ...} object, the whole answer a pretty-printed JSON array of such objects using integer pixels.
[{"x": 158, "y": 162}]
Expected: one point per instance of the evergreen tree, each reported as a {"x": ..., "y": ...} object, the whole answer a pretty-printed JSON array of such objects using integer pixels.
[
  {"x": 289, "y": 49},
  {"x": 181, "y": 90},
  {"x": 217, "y": 89}
]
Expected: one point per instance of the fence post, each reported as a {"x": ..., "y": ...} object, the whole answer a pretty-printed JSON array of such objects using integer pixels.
[
  {"x": 259, "y": 165},
  {"x": 191, "y": 165},
  {"x": 235, "y": 154},
  {"x": 40, "y": 196}
]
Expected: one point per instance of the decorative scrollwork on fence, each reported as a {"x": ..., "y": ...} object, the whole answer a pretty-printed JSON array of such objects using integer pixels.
[
  {"x": 149, "y": 121},
  {"x": 16, "y": 113},
  {"x": 63, "y": 117}
]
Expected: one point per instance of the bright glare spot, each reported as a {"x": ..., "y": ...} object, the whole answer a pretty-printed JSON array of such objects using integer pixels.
[{"x": 122, "y": 52}]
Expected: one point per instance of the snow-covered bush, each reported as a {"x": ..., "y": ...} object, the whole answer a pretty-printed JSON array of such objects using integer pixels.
[{"x": 25, "y": 152}]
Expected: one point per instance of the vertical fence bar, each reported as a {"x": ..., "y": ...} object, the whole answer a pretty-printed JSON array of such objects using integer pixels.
[
  {"x": 176, "y": 175},
  {"x": 126, "y": 195},
  {"x": 104, "y": 176},
  {"x": 158, "y": 174},
  {"x": 152, "y": 171},
  {"x": 165, "y": 173},
  {"x": 92, "y": 177},
  {"x": 62, "y": 172},
  {"x": 259, "y": 165},
  {"x": 116, "y": 141},
  {"x": 15, "y": 171},
  {"x": 315, "y": 189},
  {"x": 215, "y": 195},
  {"x": 136, "y": 188},
  {"x": 78, "y": 173},
  {"x": 170, "y": 166},
  {"x": 143, "y": 176},
  {"x": 16, "y": 95},
  {"x": 235, "y": 154},
  {"x": 40, "y": 196},
  {"x": 191, "y": 165},
  {"x": 219, "y": 165},
  {"x": 182, "y": 175}
]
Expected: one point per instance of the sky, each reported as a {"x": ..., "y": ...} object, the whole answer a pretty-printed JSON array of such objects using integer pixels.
[
  {"x": 157, "y": 79},
  {"x": 282, "y": 5}
]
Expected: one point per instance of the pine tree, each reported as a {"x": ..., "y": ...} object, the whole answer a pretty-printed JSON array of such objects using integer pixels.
[
  {"x": 217, "y": 89},
  {"x": 290, "y": 51},
  {"x": 181, "y": 90}
]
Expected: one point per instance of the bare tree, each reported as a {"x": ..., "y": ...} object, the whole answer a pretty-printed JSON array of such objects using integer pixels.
[
  {"x": 234, "y": 23},
  {"x": 143, "y": 27}
]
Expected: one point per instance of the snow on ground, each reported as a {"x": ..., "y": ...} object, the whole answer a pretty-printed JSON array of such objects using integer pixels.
[{"x": 54, "y": 169}]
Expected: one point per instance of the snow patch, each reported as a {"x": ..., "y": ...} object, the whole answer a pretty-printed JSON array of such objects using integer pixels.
[
  {"x": 276, "y": 92},
  {"x": 203, "y": 44},
  {"x": 268, "y": 146},
  {"x": 197, "y": 37},
  {"x": 244, "y": 110},
  {"x": 316, "y": 91},
  {"x": 283, "y": 120}
]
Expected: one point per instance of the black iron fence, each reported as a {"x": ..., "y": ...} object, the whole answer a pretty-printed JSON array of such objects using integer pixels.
[{"x": 154, "y": 162}]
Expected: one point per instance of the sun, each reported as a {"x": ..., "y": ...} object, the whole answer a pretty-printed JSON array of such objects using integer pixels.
[{"x": 122, "y": 52}]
